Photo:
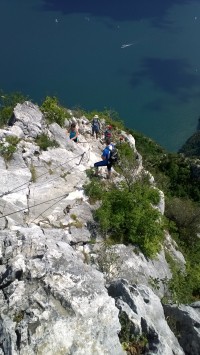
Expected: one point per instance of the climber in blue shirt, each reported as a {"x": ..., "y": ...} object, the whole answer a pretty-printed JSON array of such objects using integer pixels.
[{"x": 105, "y": 159}]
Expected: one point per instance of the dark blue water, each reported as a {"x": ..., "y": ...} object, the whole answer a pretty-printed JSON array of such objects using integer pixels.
[{"x": 72, "y": 49}]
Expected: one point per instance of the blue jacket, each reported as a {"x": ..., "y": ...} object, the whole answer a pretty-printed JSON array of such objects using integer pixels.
[{"x": 106, "y": 153}]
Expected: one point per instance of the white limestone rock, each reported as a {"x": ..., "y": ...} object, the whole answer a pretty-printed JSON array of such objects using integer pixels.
[
  {"x": 29, "y": 118},
  {"x": 16, "y": 131},
  {"x": 55, "y": 301},
  {"x": 144, "y": 311},
  {"x": 58, "y": 134},
  {"x": 120, "y": 261},
  {"x": 172, "y": 247}
]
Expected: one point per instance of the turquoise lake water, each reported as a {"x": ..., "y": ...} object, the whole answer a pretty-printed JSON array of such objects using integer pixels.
[{"x": 72, "y": 49}]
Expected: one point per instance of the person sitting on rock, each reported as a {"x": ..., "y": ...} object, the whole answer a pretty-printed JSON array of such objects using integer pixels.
[
  {"x": 73, "y": 133},
  {"x": 105, "y": 159}
]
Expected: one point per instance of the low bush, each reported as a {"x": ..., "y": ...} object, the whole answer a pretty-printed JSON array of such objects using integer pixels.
[
  {"x": 8, "y": 148},
  {"x": 93, "y": 190},
  {"x": 44, "y": 142}
]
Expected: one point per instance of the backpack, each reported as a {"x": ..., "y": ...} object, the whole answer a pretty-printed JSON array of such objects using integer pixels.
[
  {"x": 113, "y": 158},
  {"x": 108, "y": 133}
]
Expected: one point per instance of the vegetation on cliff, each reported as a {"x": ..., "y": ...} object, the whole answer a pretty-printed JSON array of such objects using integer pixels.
[{"x": 126, "y": 213}]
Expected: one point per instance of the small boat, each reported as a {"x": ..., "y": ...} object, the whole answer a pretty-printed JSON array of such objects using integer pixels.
[{"x": 126, "y": 45}]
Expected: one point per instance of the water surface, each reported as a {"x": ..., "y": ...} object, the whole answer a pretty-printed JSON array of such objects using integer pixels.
[{"x": 72, "y": 49}]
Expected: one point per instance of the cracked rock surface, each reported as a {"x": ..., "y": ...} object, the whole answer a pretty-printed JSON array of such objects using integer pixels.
[{"x": 48, "y": 296}]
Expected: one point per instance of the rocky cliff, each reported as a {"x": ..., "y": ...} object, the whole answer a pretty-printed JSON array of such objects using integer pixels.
[{"x": 62, "y": 291}]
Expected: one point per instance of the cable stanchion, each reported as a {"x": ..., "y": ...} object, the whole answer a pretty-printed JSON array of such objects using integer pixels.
[{"x": 81, "y": 159}]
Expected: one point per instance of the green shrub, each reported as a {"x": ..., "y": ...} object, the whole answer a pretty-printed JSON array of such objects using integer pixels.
[
  {"x": 129, "y": 217},
  {"x": 7, "y": 150},
  {"x": 53, "y": 111},
  {"x": 13, "y": 140},
  {"x": 89, "y": 173},
  {"x": 184, "y": 226},
  {"x": 94, "y": 190},
  {"x": 172, "y": 171},
  {"x": 5, "y": 114},
  {"x": 44, "y": 142},
  {"x": 176, "y": 171},
  {"x": 184, "y": 286}
]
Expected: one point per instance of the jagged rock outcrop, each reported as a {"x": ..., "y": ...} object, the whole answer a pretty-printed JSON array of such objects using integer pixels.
[
  {"x": 142, "y": 310},
  {"x": 185, "y": 322},
  {"x": 29, "y": 118},
  {"x": 53, "y": 264}
]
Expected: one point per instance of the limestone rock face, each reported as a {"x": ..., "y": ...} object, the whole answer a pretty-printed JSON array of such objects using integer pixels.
[
  {"x": 57, "y": 304},
  {"x": 143, "y": 310},
  {"x": 29, "y": 118},
  {"x": 120, "y": 261},
  {"x": 58, "y": 134}
]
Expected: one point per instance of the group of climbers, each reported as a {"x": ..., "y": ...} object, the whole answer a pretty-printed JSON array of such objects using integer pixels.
[
  {"x": 96, "y": 129},
  {"x": 109, "y": 153}
]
